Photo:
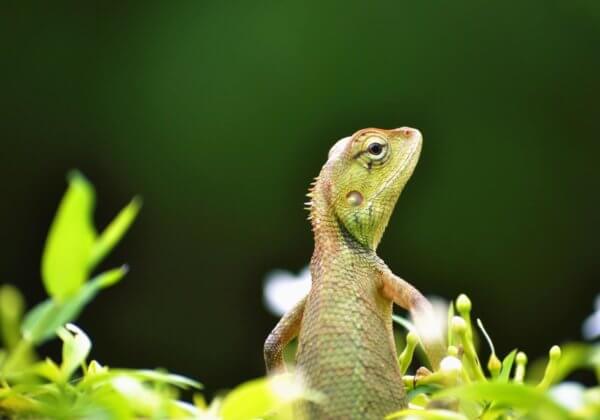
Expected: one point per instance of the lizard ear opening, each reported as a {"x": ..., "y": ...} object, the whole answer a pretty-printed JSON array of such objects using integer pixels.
[{"x": 354, "y": 198}]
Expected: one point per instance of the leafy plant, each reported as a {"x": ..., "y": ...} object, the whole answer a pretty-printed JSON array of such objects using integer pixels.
[
  {"x": 462, "y": 389},
  {"x": 75, "y": 387}
]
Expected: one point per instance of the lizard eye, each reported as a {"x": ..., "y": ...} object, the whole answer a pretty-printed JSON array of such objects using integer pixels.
[{"x": 376, "y": 148}]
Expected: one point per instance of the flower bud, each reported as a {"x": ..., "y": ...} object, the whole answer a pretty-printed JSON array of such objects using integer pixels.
[
  {"x": 450, "y": 364},
  {"x": 463, "y": 304},
  {"x": 406, "y": 356},
  {"x": 412, "y": 338},
  {"x": 551, "y": 368},
  {"x": 494, "y": 365},
  {"x": 520, "y": 369},
  {"x": 470, "y": 360},
  {"x": 458, "y": 325}
]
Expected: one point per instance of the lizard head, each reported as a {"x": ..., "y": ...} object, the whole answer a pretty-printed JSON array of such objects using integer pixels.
[{"x": 362, "y": 180}]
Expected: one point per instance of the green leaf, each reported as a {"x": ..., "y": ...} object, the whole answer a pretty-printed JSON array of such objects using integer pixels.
[
  {"x": 141, "y": 391},
  {"x": 507, "y": 364},
  {"x": 65, "y": 262},
  {"x": 137, "y": 383},
  {"x": 106, "y": 279},
  {"x": 518, "y": 396},
  {"x": 422, "y": 389},
  {"x": 95, "y": 368},
  {"x": 76, "y": 347},
  {"x": 42, "y": 322},
  {"x": 250, "y": 400},
  {"x": 115, "y": 231},
  {"x": 47, "y": 369},
  {"x": 14, "y": 401},
  {"x": 260, "y": 397},
  {"x": 11, "y": 312},
  {"x": 427, "y": 414},
  {"x": 159, "y": 377},
  {"x": 142, "y": 399}
]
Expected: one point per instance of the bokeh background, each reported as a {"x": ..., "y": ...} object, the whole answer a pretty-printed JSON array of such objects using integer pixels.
[{"x": 219, "y": 113}]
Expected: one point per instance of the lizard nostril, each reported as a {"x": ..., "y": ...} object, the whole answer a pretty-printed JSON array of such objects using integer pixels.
[{"x": 407, "y": 132}]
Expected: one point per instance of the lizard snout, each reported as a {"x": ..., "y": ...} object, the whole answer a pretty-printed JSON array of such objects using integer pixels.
[{"x": 408, "y": 132}]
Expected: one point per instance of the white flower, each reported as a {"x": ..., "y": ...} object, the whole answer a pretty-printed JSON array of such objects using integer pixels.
[
  {"x": 431, "y": 326},
  {"x": 282, "y": 290},
  {"x": 568, "y": 394},
  {"x": 287, "y": 387},
  {"x": 450, "y": 364},
  {"x": 591, "y": 326}
]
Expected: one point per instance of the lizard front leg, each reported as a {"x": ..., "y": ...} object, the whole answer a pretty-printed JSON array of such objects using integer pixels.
[
  {"x": 408, "y": 297},
  {"x": 286, "y": 329}
]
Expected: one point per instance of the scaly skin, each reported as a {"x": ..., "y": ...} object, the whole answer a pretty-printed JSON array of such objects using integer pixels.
[{"x": 346, "y": 347}]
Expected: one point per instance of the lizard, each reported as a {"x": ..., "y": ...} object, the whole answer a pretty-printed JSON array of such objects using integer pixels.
[{"x": 346, "y": 349}]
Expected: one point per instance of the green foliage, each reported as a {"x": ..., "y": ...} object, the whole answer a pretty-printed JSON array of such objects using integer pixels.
[
  {"x": 43, "y": 320},
  {"x": 74, "y": 388},
  {"x": 507, "y": 365},
  {"x": 65, "y": 262},
  {"x": 11, "y": 312},
  {"x": 506, "y": 398},
  {"x": 465, "y": 391},
  {"x": 49, "y": 389},
  {"x": 434, "y": 414},
  {"x": 77, "y": 388},
  {"x": 73, "y": 247},
  {"x": 265, "y": 397}
]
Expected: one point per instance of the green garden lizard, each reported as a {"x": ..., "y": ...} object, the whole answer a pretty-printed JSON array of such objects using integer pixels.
[{"x": 346, "y": 349}]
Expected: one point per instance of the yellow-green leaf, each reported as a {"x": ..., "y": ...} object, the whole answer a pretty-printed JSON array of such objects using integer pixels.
[
  {"x": 260, "y": 397},
  {"x": 43, "y": 320},
  {"x": 520, "y": 397},
  {"x": 507, "y": 364},
  {"x": 11, "y": 311},
  {"x": 65, "y": 262},
  {"x": 249, "y": 400},
  {"x": 47, "y": 369},
  {"x": 410, "y": 413},
  {"x": 114, "y": 231},
  {"x": 160, "y": 377}
]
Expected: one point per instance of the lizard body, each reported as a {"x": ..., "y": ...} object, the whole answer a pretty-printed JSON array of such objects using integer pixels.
[{"x": 346, "y": 348}]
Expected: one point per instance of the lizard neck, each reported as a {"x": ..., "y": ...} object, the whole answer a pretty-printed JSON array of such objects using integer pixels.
[{"x": 333, "y": 242}]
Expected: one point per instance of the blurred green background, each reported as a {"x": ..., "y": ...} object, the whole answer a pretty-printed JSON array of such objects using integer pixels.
[{"x": 219, "y": 113}]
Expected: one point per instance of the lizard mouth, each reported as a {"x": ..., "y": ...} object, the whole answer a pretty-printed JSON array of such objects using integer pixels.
[{"x": 406, "y": 166}]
